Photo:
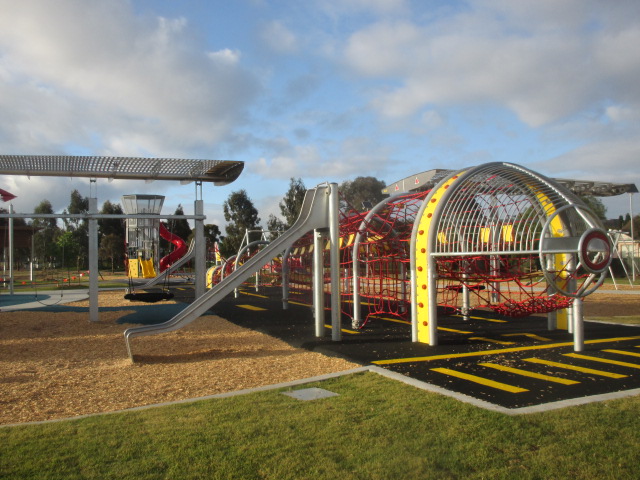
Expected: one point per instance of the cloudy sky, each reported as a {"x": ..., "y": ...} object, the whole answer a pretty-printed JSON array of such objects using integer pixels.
[{"x": 325, "y": 90}]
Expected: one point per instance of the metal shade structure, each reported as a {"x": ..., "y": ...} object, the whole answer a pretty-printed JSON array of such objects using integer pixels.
[
  {"x": 219, "y": 172},
  {"x": 427, "y": 180}
]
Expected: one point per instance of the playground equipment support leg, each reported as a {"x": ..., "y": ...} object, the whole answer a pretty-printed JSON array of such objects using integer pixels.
[
  {"x": 334, "y": 235},
  {"x": 578, "y": 325},
  {"x": 200, "y": 259},
  {"x": 11, "y": 250},
  {"x": 93, "y": 262},
  {"x": 318, "y": 282}
]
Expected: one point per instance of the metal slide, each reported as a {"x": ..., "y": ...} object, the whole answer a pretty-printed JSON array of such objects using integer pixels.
[
  {"x": 313, "y": 214},
  {"x": 184, "y": 259}
]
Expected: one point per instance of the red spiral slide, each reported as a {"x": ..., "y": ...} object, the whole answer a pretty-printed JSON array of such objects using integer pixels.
[{"x": 177, "y": 253}]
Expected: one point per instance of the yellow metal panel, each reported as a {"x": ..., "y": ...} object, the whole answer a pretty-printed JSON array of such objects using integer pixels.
[
  {"x": 485, "y": 234},
  {"x": 422, "y": 261},
  {"x": 133, "y": 268},
  {"x": 507, "y": 233}
]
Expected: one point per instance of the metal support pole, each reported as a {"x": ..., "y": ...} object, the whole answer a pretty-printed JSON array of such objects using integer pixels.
[
  {"x": 285, "y": 279},
  {"x": 318, "y": 282},
  {"x": 466, "y": 303},
  {"x": 633, "y": 241},
  {"x": 11, "y": 250},
  {"x": 552, "y": 320},
  {"x": 334, "y": 236},
  {"x": 578, "y": 325},
  {"x": 93, "y": 262},
  {"x": 200, "y": 259},
  {"x": 433, "y": 302}
]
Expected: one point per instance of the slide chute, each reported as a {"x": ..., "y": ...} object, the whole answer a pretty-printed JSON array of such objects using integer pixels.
[{"x": 177, "y": 253}]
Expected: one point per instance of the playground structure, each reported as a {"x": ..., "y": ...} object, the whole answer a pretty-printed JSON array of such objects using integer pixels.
[
  {"x": 142, "y": 238},
  {"x": 497, "y": 237}
]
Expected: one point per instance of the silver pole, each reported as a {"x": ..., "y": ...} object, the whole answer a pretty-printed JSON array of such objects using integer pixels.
[
  {"x": 578, "y": 325},
  {"x": 200, "y": 259},
  {"x": 334, "y": 252},
  {"x": 318, "y": 283},
  {"x": 93, "y": 262},
  {"x": 11, "y": 250},
  {"x": 633, "y": 241}
]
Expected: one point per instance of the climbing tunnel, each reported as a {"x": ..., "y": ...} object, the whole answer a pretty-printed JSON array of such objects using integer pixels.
[{"x": 497, "y": 237}]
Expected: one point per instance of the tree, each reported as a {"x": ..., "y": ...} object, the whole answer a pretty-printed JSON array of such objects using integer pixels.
[
  {"x": 111, "y": 226},
  {"x": 242, "y": 216},
  {"x": 78, "y": 228},
  {"x": 180, "y": 226},
  {"x": 111, "y": 249},
  {"x": 45, "y": 238},
  {"x": 362, "y": 189},
  {"x": 595, "y": 205},
  {"x": 68, "y": 248},
  {"x": 212, "y": 233},
  {"x": 292, "y": 202},
  {"x": 275, "y": 226}
]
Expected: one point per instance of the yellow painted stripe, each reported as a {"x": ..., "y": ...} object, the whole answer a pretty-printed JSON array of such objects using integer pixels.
[
  {"x": 480, "y": 380},
  {"x": 566, "y": 366},
  {"x": 253, "y": 294},
  {"x": 527, "y": 373},
  {"x": 252, "y": 307},
  {"x": 529, "y": 335},
  {"x": 491, "y": 340},
  {"x": 498, "y": 351},
  {"x": 444, "y": 329},
  {"x": 396, "y": 320},
  {"x": 343, "y": 330},
  {"x": 622, "y": 352},
  {"x": 494, "y": 320},
  {"x": 603, "y": 360},
  {"x": 298, "y": 303}
]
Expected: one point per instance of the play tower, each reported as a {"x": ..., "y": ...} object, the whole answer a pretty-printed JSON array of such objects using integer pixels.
[{"x": 142, "y": 234}]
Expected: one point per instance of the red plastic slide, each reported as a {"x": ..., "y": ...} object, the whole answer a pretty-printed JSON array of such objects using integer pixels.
[{"x": 177, "y": 253}]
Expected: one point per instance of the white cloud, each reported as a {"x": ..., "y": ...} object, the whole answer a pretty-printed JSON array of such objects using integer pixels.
[
  {"x": 107, "y": 72},
  {"x": 279, "y": 38},
  {"x": 545, "y": 61},
  {"x": 352, "y": 7}
]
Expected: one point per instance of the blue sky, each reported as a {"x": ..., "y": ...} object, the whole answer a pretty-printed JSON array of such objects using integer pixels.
[{"x": 325, "y": 90}]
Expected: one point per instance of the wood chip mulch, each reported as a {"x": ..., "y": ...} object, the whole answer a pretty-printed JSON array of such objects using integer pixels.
[{"x": 58, "y": 364}]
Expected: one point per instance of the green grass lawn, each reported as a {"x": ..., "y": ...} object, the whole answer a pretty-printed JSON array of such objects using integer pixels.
[{"x": 376, "y": 428}]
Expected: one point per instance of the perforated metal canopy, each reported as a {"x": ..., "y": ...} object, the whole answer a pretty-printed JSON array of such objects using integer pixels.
[
  {"x": 220, "y": 172},
  {"x": 428, "y": 179}
]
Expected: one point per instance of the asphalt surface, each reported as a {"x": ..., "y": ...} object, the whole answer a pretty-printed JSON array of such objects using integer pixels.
[{"x": 512, "y": 363}]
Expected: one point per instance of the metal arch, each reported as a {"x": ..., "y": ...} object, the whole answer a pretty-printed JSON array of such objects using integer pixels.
[
  {"x": 356, "y": 321},
  {"x": 471, "y": 218}
]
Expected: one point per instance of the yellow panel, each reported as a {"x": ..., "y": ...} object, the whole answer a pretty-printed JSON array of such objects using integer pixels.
[
  {"x": 422, "y": 261},
  {"x": 507, "y": 233},
  {"x": 442, "y": 238},
  {"x": 485, "y": 234},
  {"x": 133, "y": 268}
]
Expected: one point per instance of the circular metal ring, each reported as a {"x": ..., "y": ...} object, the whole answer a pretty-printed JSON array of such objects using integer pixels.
[{"x": 595, "y": 251}]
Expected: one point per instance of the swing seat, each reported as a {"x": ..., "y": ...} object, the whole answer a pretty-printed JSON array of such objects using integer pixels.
[{"x": 148, "y": 297}]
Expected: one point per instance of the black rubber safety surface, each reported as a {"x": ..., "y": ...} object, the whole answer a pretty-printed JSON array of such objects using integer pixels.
[{"x": 512, "y": 363}]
